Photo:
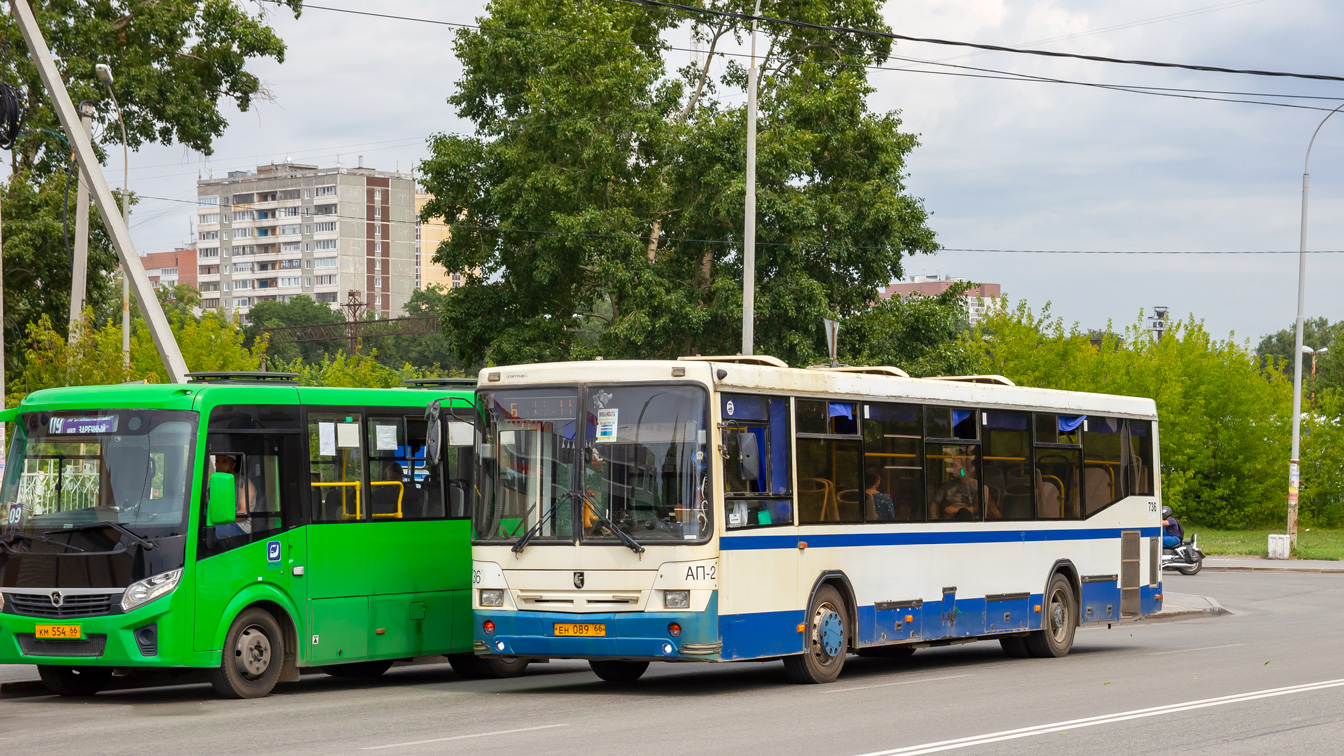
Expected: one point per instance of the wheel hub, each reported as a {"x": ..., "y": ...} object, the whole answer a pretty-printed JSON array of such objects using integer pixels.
[
  {"x": 253, "y": 652},
  {"x": 831, "y": 633}
]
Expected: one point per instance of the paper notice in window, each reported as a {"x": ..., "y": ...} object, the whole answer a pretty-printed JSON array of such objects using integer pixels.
[
  {"x": 386, "y": 436},
  {"x": 347, "y": 435},
  {"x": 606, "y": 426},
  {"x": 326, "y": 439}
]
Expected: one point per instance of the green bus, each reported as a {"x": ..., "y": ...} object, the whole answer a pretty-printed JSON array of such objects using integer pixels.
[{"x": 238, "y": 523}]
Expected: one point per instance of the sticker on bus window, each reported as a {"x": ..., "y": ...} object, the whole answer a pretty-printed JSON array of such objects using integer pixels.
[
  {"x": 386, "y": 436},
  {"x": 326, "y": 439},
  {"x": 606, "y": 426},
  {"x": 347, "y": 435}
]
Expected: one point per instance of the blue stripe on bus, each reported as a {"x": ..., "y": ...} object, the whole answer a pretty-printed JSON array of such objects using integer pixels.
[{"x": 846, "y": 540}]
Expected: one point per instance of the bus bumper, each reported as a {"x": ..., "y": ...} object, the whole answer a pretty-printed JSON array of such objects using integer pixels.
[
  {"x": 149, "y": 636},
  {"x": 629, "y": 635}
]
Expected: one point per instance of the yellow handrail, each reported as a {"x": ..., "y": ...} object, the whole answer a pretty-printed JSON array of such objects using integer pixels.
[
  {"x": 345, "y": 514},
  {"x": 401, "y": 491}
]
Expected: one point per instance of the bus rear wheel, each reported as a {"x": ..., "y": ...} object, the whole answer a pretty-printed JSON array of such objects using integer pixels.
[
  {"x": 369, "y": 670},
  {"x": 827, "y": 640},
  {"x": 1059, "y": 622},
  {"x": 75, "y": 682},
  {"x": 254, "y": 650},
  {"x": 618, "y": 671}
]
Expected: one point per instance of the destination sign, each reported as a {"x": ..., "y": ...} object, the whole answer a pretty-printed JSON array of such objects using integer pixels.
[{"x": 82, "y": 425}]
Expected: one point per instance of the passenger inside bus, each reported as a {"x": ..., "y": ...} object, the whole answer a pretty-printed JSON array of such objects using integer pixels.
[
  {"x": 879, "y": 505},
  {"x": 959, "y": 497}
]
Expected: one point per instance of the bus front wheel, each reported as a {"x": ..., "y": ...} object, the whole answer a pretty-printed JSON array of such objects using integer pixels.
[
  {"x": 76, "y": 682},
  {"x": 618, "y": 671},
  {"x": 253, "y": 652},
  {"x": 827, "y": 640},
  {"x": 1059, "y": 622}
]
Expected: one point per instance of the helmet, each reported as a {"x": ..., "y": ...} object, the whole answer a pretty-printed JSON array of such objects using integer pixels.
[{"x": 1166, "y": 512}]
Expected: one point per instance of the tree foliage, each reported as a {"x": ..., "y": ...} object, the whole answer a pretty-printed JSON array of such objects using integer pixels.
[
  {"x": 1223, "y": 420},
  {"x": 601, "y": 198},
  {"x": 299, "y": 310},
  {"x": 1317, "y": 333},
  {"x": 363, "y": 370},
  {"x": 922, "y": 335}
]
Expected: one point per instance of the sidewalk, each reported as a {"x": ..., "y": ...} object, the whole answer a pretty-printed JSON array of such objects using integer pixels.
[
  {"x": 1231, "y": 564},
  {"x": 1187, "y": 606}
]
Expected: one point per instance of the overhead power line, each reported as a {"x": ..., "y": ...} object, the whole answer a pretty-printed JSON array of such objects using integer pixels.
[
  {"x": 979, "y": 73},
  {"x": 688, "y": 9}
]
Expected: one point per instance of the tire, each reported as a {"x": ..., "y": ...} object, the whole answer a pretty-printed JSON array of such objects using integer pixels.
[
  {"x": 74, "y": 682},
  {"x": 618, "y": 671},
  {"x": 1015, "y": 646},
  {"x": 254, "y": 651},
  {"x": 369, "y": 670},
  {"x": 827, "y": 641},
  {"x": 505, "y": 667},
  {"x": 900, "y": 651},
  {"x": 1191, "y": 569},
  {"x": 1058, "y": 623},
  {"x": 469, "y": 666}
]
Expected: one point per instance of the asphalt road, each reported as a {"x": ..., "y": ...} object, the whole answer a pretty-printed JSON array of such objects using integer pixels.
[{"x": 1269, "y": 677}]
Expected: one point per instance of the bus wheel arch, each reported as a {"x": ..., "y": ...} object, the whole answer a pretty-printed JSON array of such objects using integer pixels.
[
  {"x": 252, "y": 658},
  {"x": 827, "y": 639},
  {"x": 1070, "y": 572},
  {"x": 289, "y": 667},
  {"x": 838, "y": 580}
]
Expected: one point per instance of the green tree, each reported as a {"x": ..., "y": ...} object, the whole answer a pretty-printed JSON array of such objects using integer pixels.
[
  {"x": 919, "y": 334},
  {"x": 1319, "y": 334},
  {"x": 341, "y": 369},
  {"x": 176, "y": 63},
  {"x": 300, "y": 310},
  {"x": 1223, "y": 420},
  {"x": 429, "y": 352},
  {"x": 601, "y": 199}
]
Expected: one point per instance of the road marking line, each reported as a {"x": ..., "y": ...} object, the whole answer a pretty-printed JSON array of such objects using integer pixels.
[
  {"x": 1026, "y": 732},
  {"x": 1191, "y": 650},
  {"x": 888, "y": 685},
  {"x": 463, "y": 737}
]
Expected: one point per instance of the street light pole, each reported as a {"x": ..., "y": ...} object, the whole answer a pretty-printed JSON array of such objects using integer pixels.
[
  {"x": 105, "y": 75},
  {"x": 749, "y": 223},
  {"x": 1293, "y": 467}
]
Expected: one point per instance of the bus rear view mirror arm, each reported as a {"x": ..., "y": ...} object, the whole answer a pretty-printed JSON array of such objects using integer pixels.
[{"x": 222, "y": 506}]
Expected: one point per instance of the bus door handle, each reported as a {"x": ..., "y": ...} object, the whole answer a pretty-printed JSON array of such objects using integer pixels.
[{"x": 298, "y": 571}]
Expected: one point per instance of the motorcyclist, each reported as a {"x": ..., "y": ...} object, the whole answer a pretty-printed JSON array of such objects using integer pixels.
[{"x": 1172, "y": 532}]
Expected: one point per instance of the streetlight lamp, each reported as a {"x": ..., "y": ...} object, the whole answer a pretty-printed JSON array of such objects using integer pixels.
[
  {"x": 104, "y": 73},
  {"x": 1293, "y": 476}
]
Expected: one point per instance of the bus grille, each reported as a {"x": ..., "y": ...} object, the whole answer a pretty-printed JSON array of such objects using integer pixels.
[
  {"x": 90, "y": 647},
  {"x": 39, "y": 605}
]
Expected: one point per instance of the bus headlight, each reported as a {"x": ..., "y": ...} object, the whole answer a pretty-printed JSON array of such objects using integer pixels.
[
  {"x": 677, "y": 599},
  {"x": 150, "y": 588},
  {"x": 492, "y": 597}
]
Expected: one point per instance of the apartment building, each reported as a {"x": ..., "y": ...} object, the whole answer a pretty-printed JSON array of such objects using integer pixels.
[
  {"x": 169, "y": 268},
  {"x": 289, "y": 229},
  {"x": 976, "y": 298}
]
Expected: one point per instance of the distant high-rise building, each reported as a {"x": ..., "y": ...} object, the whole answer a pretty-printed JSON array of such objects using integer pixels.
[
  {"x": 933, "y": 285},
  {"x": 428, "y": 236},
  {"x": 290, "y": 229}
]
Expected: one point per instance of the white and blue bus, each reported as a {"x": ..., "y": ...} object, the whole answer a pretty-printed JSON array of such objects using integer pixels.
[{"x": 732, "y": 508}]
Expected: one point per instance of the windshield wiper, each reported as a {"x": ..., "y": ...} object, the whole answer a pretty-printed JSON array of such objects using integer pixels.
[
  {"x": 624, "y": 537},
  {"x": 145, "y": 544},
  {"x": 521, "y": 543},
  {"x": 8, "y": 540}
]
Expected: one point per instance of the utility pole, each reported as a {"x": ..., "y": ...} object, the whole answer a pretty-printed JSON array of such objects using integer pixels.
[
  {"x": 749, "y": 223},
  {"x": 79, "y": 269},
  {"x": 102, "y": 194}
]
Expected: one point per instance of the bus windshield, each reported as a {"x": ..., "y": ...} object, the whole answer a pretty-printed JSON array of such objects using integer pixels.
[
  {"x": 77, "y": 468},
  {"x": 633, "y": 458}
]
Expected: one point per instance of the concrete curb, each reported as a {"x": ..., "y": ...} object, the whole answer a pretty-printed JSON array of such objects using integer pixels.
[
  {"x": 1246, "y": 568},
  {"x": 1214, "y": 609}
]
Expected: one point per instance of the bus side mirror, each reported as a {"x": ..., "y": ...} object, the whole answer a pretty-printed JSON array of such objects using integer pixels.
[
  {"x": 434, "y": 435},
  {"x": 748, "y": 457},
  {"x": 222, "y": 506}
]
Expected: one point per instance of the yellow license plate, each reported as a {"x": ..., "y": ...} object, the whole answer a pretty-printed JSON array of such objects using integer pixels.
[
  {"x": 581, "y": 629},
  {"x": 64, "y": 632}
]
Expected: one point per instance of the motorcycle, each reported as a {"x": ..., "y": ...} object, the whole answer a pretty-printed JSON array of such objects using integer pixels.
[{"x": 1186, "y": 557}]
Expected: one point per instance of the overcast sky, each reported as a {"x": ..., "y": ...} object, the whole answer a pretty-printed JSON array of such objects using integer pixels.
[{"x": 1002, "y": 165}]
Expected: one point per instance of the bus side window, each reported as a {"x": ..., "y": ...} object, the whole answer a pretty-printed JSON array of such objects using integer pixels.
[
  {"x": 1008, "y": 475},
  {"x": 336, "y": 467},
  {"x": 956, "y": 490},
  {"x": 1103, "y": 464},
  {"x": 763, "y": 500},
  {"x": 830, "y": 457},
  {"x": 893, "y": 466},
  {"x": 254, "y": 443},
  {"x": 1058, "y": 466},
  {"x": 1140, "y": 476}
]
